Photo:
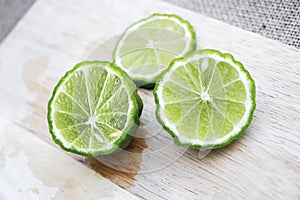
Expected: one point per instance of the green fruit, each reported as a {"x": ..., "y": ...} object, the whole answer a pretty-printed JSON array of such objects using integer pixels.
[
  {"x": 148, "y": 46},
  {"x": 205, "y": 100},
  {"x": 94, "y": 109}
]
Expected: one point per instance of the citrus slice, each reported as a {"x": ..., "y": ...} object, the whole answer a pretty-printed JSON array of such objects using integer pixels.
[
  {"x": 94, "y": 109},
  {"x": 205, "y": 100},
  {"x": 147, "y": 47}
]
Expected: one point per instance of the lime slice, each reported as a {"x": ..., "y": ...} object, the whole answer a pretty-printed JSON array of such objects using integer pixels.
[
  {"x": 205, "y": 100},
  {"x": 147, "y": 47},
  {"x": 94, "y": 109}
]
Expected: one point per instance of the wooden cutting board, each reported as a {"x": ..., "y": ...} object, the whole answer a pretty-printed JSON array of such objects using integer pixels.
[
  {"x": 32, "y": 169},
  {"x": 263, "y": 164}
]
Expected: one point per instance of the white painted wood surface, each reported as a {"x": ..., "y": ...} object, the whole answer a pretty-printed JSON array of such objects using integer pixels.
[
  {"x": 263, "y": 164},
  {"x": 32, "y": 169}
]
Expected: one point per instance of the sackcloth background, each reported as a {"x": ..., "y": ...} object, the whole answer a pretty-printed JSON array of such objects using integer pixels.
[{"x": 275, "y": 19}]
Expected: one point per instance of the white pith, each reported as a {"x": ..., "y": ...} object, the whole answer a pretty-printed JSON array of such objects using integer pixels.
[
  {"x": 205, "y": 96},
  {"x": 237, "y": 128},
  {"x": 92, "y": 119},
  {"x": 187, "y": 36}
]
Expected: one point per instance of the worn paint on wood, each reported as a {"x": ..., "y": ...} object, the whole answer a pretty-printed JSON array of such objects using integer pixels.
[{"x": 32, "y": 169}]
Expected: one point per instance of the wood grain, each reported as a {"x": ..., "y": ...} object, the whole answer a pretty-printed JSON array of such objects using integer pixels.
[
  {"x": 32, "y": 169},
  {"x": 263, "y": 164}
]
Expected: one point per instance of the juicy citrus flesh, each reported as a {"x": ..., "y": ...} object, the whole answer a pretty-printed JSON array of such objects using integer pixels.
[
  {"x": 205, "y": 99},
  {"x": 147, "y": 47},
  {"x": 91, "y": 107}
]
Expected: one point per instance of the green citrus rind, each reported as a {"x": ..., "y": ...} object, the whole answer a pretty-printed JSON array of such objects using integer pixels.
[
  {"x": 149, "y": 83},
  {"x": 127, "y": 132},
  {"x": 231, "y": 138}
]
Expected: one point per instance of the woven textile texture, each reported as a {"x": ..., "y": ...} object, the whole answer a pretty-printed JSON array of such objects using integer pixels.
[
  {"x": 11, "y": 11},
  {"x": 275, "y": 19}
]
